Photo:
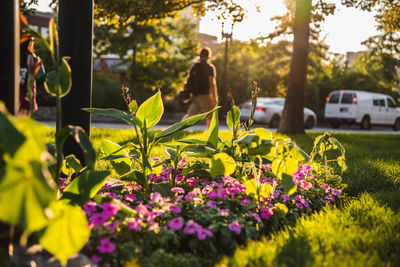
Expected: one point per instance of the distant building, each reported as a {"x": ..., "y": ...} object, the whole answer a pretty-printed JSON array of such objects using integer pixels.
[
  {"x": 209, "y": 41},
  {"x": 40, "y": 22}
]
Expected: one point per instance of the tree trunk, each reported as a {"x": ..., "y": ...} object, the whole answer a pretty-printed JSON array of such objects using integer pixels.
[{"x": 292, "y": 121}]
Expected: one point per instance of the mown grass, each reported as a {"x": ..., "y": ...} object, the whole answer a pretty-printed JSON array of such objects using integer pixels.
[{"x": 364, "y": 232}]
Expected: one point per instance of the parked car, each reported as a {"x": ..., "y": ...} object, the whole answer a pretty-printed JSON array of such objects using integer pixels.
[
  {"x": 269, "y": 111},
  {"x": 363, "y": 108}
]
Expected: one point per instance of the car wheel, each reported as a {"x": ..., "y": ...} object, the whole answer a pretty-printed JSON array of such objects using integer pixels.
[
  {"x": 310, "y": 122},
  {"x": 396, "y": 125},
  {"x": 365, "y": 123},
  {"x": 274, "y": 123},
  {"x": 335, "y": 124}
]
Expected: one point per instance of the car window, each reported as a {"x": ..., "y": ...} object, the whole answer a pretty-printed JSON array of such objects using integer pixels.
[
  {"x": 376, "y": 102},
  {"x": 391, "y": 103},
  {"x": 334, "y": 98},
  {"x": 382, "y": 103},
  {"x": 347, "y": 98}
]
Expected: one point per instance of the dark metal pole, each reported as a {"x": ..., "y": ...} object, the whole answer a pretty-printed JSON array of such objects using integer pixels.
[
  {"x": 9, "y": 68},
  {"x": 76, "y": 41}
]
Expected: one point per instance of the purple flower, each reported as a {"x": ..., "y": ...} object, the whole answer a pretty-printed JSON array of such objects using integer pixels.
[
  {"x": 326, "y": 188},
  {"x": 331, "y": 198},
  {"x": 285, "y": 197},
  {"x": 203, "y": 233},
  {"x": 90, "y": 207},
  {"x": 130, "y": 197},
  {"x": 223, "y": 212},
  {"x": 134, "y": 224},
  {"x": 299, "y": 206},
  {"x": 298, "y": 198},
  {"x": 110, "y": 195},
  {"x": 266, "y": 213},
  {"x": 182, "y": 163},
  {"x": 106, "y": 246},
  {"x": 110, "y": 209},
  {"x": 190, "y": 228},
  {"x": 276, "y": 193},
  {"x": 175, "y": 224},
  {"x": 211, "y": 203},
  {"x": 111, "y": 226},
  {"x": 255, "y": 215},
  {"x": 192, "y": 181},
  {"x": 305, "y": 203},
  {"x": 156, "y": 197},
  {"x": 212, "y": 194},
  {"x": 336, "y": 192},
  {"x": 179, "y": 177},
  {"x": 245, "y": 201},
  {"x": 154, "y": 178},
  {"x": 156, "y": 159},
  {"x": 98, "y": 219},
  {"x": 178, "y": 190},
  {"x": 95, "y": 258},
  {"x": 235, "y": 227},
  {"x": 174, "y": 208}
]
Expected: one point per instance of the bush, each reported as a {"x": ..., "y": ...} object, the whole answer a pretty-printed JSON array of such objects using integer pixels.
[{"x": 107, "y": 91}]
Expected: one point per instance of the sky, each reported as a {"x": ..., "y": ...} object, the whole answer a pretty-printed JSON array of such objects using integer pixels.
[{"x": 343, "y": 31}]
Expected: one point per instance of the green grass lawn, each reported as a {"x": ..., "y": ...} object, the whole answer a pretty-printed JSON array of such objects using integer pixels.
[{"x": 364, "y": 232}]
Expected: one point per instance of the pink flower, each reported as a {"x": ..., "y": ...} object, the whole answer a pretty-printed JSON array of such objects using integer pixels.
[
  {"x": 222, "y": 193},
  {"x": 235, "y": 227},
  {"x": 190, "y": 228},
  {"x": 156, "y": 159},
  {"x": 98, "y": 219},
  {"x": 156, "y": 197},
  {"x": 182, "y": 163},
  {"x": 106, "y": 246},
  {"x": 192, "y": 181},
  {"x": 326, "y": 188},
  {"x": 298, "y": 198},
  {"x": 110, "y": 195},
  {"x": 130, "y": 187},
  {"x": 212, "y": 194},
  {"x": 90, "y": 207},
  {"x": 276, "y": 193},
  {"x": 245, "y": 201},
  {"x": 211, "y": 203},
  {"x": 285, "y": 197},
  {"x": 95, "y": 258},
  {"x": 175, "y": 224},
  {"x": 154, "y": 227},
  {"x": 223, "y": 212},
  {"x": 331, "y": 198},
  {"x": 336, "y": 192},
  {"x": 305, "y": 185},
  {"x": 154, "y": 178},
  {"x": 111, "y": 226},
  {"x": 266, "y": 167},
  {"x": 110, "y": 209},
  {"x": 255, "y": 215},
  {"x": 299, "y": 206},
  {"x": 203, "y": 233},
  {"x": 266, "y": 213},
  {"x": 178, "y": 190},
  {"x": 174, "y": 208},
  {"x": 179, "y": 177},
  {"x": 193, "y": 194},
  {"x": 134, "y": 224},
  {"x": 130, "y": 197}
]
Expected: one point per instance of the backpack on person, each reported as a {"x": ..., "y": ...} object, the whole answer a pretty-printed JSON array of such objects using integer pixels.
[{"x": 197, "y": 82}]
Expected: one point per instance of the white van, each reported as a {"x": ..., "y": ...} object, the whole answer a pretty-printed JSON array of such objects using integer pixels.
[{"x": 363, "y": 108}]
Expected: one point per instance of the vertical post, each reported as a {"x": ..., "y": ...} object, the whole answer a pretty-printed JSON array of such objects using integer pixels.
[
  {"x": 9, "y": 68},
  {"x": 76, "y": 41}
]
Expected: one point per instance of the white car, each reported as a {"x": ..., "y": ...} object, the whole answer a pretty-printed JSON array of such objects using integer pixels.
[
  {"x": 269, "y": 111},
  {"x": 363, "y": 108}
]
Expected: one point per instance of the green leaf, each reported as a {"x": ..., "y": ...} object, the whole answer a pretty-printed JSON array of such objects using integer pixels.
[
  {"x": 111, "y": 112},
  {"x": 86, "y": 146},
  {"x": 298, "y": 153},
  {"x": 71, "y": 165},
  {"x": 179, "y": 126},
  {"x": 288, "y": 186},
  {"x": 25, "y": 194},
  {"x": 265, "y": 190},
  {"x": 263, "y": 149},
  {"x": 194, "y": 141},
  {"x": 53, "y": 36},
  {"x": 247, "y": 140},
  {"x": 251, "y": 187},
  {"x": 10, "y": 138},
  {"x": 51, "y": 84},
  {"x": 342, "y": 163},
  {"x": 67, "y": 232},
  {"x": 233, "y": 118},
  {"x": 64, "y": 78},
  {"x": 136, "y": 176},
  {"x": 263, "y": 134},
  {"x": 150, "y": 111},
  {"x": 84, "y": 187},
  {"x": 133, "y": 106},
  {"x": 121, "y": 165},
  {"x": 199, "y": 149},
  {"x": 214, "y": 129},
  {"x": 222, "y": 164}
]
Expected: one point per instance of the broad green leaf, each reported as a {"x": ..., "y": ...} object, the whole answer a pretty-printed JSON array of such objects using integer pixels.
[
  {"x": 263, "y": 149},
  {"x": 51, "y": 84},
  {"x": 251, "y": 187},
  {"x": 233, "y": 118},
  {"x": 247, "y": 140},
  {"x": 25, "y": 193},
  {"x": 71, "y": 165},
  {"x": 136, "y": 176},
  {"x": 84, "y": 187},
  {"x": 194, "y": 141},
  {"x": 86, "y": 146},
  {"x": 64, "y": 78},
  {"x": 179, "y": 126},
  {"x": 214, "y": 129},
  {"x": 288, "y": 186},
  {"x": 281, "y": 208},
  {"x": 342, "y": 163},
  {"x": 199, "y": 149},
  {"x": 10, "y": 138},
  {"x": 265, "y": 190},
  {"x": 263, "y": 134},
  {"x": 150, "y": 111},
  {"x": 222, "y": 164},
  {"x": 133, "y": 106},
  {"x": 112, "y": 112},
  {"x": 250, "y": 205},
  {"x": 337, "y": 144},
  {"x": 67, "y": 232},
  {"x": 53, "y": 36},
  {"x": 298, "y": 153},
  {"x": 121, "y": 165}
]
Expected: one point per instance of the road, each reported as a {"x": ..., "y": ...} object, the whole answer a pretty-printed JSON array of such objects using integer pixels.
[{"x": 202, "y": 127}]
